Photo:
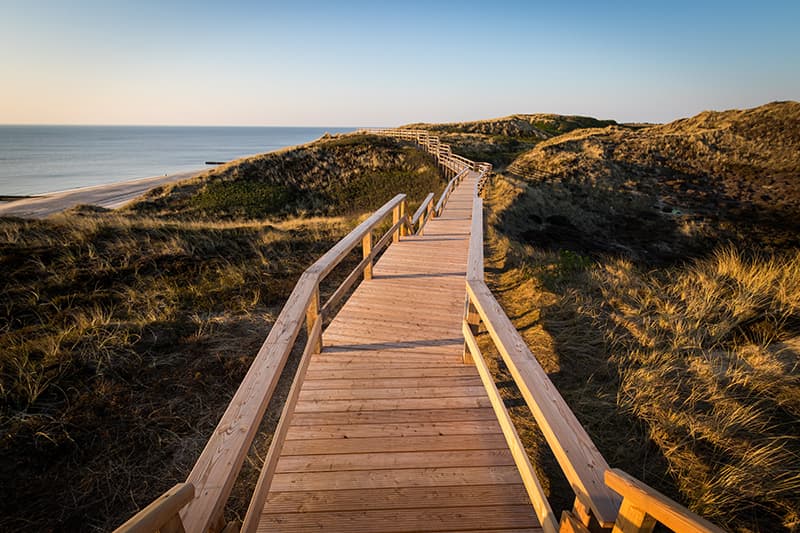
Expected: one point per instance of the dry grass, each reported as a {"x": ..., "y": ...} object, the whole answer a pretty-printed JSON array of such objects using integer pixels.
[
  {"x": 677, "y": 350},
  {"x": 125, "y": 334},
  {"x": 708, "y": 360},
  {"x": 123, "y": 341}
]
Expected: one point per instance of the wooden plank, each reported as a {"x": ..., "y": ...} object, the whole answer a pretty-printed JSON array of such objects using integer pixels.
[
  {"x": 403, "y": 477},
  {"x": 442, "y": 347},
  {"x": 377, "y": 327},
  {"x": 577, "y": 455},
  {"x": 663, "y": 509},
  {"x": 313, "y": 406},
  {"x": 535, "y": 491},
  {"x": 401, "y": 520},
  {"x": 390, "y": 461},
  {"x": 383, "y": 362},
  {"x": 395, "y": 498},
  {"x": 393, "y": 417},
  {"x": 355, "y": 431},
  {"x": 392, "y": 383},
  {"x": 379, "y": 371},
  {"x": 383, "y": 393},
  {"x": 487, "y": 441},
  {"x": 350, "y": 355}
]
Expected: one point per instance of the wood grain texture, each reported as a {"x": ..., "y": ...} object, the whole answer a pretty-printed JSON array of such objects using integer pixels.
[
  {"x": 390, "y": 431},
  {"x": 572, "y": 447},
  {"x": 640, "y": 500},
  {"x": 218, "y": 466},
  {"x": 161, "y": 513}
]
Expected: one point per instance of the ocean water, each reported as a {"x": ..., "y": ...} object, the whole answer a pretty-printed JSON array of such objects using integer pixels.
[{"x": 40, "y": 159}]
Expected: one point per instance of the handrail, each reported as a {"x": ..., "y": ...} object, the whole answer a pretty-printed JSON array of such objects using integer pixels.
[
  {"x": 218, "y": 466},
  {"x": 642, "y": 506},
  {"x": 162, "y": 513},
  {"x": 220, "y": 462},
  {"x": 581, "y": 462},
  {"x": 447, "y": 190},
  {"x": 577, "y": 456},
  {"x": 423, "y": 214},
  {"x": 279, "y": 437},
  {"x": 534, "y": 489},
  {"x": 574, "y": 450}
]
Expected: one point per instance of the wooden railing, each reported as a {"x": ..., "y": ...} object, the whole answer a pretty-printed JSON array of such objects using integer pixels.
[
  {"x": 597, "y": 506},
  {"x": 211, "y": 480},
  {"x": 161, "y": 515},
  {"x": 604, "y": 498},
  {"x": 643, "y": 506}
]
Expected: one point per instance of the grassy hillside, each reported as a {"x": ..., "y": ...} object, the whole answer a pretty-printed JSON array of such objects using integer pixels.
[
  {"x": 338, "y": 175},
  {"x": 126, "y": 333},
  {"x": 662, "y": 192},
  {"x": 500, "y": 140},
  {"x": 654, "y": 273}
]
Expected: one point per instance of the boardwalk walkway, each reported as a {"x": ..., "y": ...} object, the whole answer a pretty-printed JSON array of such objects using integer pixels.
[
  {"x": 386, "y": 429},
  {"x": 392, "y": 432}
]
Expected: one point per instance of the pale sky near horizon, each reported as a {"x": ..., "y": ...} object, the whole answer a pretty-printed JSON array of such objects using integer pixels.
[{"x": 363, "y": 63}]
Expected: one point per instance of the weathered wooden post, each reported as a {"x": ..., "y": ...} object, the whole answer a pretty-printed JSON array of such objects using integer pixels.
[
  {"x": 366, "y": 249},
  {"x": 312, "y": 312},
  {"x": 395, "y": 219},
  {"x": 403, "y": 226}
]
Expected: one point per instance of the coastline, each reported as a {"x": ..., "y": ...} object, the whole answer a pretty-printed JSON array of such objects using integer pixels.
[{"x": 110, "y": 196}]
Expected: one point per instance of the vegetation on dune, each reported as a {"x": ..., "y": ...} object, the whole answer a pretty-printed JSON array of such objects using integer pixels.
[
  {"x": 338, "y": 175},
  {"x": 499, "y": 141},
  {"x": 535, "y": 126},
  {"x": 670, "y": 323},
  {"x": 126, "y": 333},
  {"x": 730, "y": 175},
  {"x": 125, "y": 338}
]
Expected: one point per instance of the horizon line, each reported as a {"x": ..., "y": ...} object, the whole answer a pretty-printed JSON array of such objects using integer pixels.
[{"x": 73, "y": 124}]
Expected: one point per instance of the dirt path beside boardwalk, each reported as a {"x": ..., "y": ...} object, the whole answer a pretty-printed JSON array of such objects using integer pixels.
[{"x": 112, "y": 195}]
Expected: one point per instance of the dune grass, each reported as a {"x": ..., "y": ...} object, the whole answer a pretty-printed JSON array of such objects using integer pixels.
[
  {"x": 684, "y": 374},
  {"x": 124, "y": 340},
  {"x": 126, "y": 333}
]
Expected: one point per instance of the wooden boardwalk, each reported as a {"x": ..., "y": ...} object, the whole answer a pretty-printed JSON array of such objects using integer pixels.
[
  {"x": 386, "y": 429},
  {"x": 391, "y": 431}
]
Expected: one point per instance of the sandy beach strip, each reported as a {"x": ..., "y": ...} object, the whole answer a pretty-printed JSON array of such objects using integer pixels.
[{"x": 111, "y": 196}]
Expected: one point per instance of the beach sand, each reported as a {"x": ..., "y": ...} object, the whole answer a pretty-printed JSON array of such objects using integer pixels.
[{"x": 111, "y": 196}]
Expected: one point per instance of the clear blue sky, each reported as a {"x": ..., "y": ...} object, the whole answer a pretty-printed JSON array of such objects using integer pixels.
[{"x": 387, "y": 63}]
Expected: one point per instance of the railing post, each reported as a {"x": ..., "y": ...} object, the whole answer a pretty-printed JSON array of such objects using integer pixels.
[
  {"x": 395, "y": 220},
  {"x": 403, "y": 209},
  {"x": 312, "y": 313},
  {"x": 366, "y": 248},
  {"x": 473, "y": 318},
  {"x": 631, "y": 519}
]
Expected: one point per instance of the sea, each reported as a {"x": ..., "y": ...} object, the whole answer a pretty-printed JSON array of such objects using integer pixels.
[{"x": 41, "y": 159}]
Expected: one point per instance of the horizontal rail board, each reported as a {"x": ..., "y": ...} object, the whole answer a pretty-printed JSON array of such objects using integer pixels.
[{"x": 575, "y": 452}]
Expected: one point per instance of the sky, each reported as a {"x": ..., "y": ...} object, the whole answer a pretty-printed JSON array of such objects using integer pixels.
[{"x": 382, "y": 63}]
